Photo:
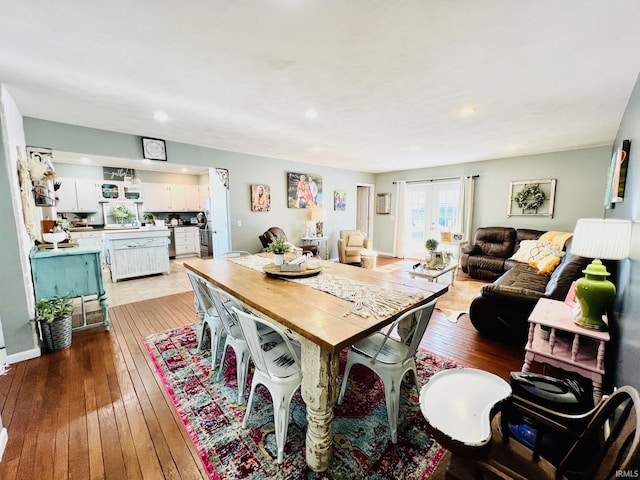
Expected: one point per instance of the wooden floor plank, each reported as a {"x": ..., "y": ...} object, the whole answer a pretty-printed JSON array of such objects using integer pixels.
[{"x": 98, "y": 409}]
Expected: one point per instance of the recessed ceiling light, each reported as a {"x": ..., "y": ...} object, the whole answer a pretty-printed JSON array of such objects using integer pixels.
[
  {"x": 311, "y": 113},
  {"x": 467, "y": 111},
  {"x": 316, "y": 149},
  {"x": 161, "y": 116}
]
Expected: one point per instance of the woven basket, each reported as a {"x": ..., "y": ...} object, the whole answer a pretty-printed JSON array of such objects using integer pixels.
[{"x": 57, "y": 334}]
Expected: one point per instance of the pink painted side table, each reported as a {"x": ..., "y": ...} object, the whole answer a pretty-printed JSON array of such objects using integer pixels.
[{"x": 582, "y": 351}]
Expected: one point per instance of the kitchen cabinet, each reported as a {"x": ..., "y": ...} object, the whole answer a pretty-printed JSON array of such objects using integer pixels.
[
  {"x": 77, "y": 195},
  {"x": 169, "y": 197},
  {"x": 137, "y": 253},
  {"x": 156, "y": 197},
  {"x": 203, "y": 196},
  {"x": 88, "y": 234},
  {"x": 186, "y": 241}
]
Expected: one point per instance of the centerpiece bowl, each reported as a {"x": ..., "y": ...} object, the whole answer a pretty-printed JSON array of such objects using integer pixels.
[{"x": 54, "y": 238}]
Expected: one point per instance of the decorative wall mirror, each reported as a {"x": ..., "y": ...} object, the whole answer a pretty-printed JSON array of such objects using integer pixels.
[{"x": 383, "y": 203}]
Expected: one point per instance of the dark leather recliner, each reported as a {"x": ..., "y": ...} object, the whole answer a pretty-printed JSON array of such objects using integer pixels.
[
  {"x": 487, "y": 258},
  {"x": 276, "y": 232}
]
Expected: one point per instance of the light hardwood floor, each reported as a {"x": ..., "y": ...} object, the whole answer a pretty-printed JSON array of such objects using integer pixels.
[{"x": 97, "y": 410}]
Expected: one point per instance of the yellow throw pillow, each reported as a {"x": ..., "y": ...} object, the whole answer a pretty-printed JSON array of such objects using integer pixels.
[
  {"x": 355, "y": 241},
  {"x": 548, "y": 264}
]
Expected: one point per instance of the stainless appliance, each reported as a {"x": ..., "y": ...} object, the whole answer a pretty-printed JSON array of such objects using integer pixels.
[
  {"x": 206, "y": 241},
  {"x": 206, "y": 235},
  {"x": 172, "y": 243}
]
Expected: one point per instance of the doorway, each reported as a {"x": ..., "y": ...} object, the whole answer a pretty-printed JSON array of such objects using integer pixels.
[
  {"x": 364, "y": 209},
  {"x": 431, "y": 208},
  {"x": 217, "y": 211}
]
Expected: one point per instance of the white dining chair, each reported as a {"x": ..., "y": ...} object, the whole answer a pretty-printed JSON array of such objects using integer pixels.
[
  {"x": 390, "y": 358},
  {"x": 277, "y": 368},
  {"x": 211, "y": 318},
  {"x": 234, "y": 339}
]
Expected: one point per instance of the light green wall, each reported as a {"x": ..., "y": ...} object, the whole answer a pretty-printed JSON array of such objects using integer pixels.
[
  {"x": 581, "y": 179},
  {"x": 624, "y": 320},
  {"x": 16, "y": 302},
  {"x": 244, "y": 170}
]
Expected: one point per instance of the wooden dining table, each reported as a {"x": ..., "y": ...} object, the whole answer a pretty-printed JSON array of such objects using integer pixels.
[{"x": 319, "y": 321}]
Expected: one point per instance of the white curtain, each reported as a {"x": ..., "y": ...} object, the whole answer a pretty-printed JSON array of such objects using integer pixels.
[
  {"x": 400, "y": 216},
  {"x": 465, "y": 206}
]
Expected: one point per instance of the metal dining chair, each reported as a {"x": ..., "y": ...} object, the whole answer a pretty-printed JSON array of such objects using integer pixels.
[
  {"x": 211, "y": 318},
  {"x": 224, "y": 304},
  {"x": 278, "y": 368},
  {"x": 391, "y": 359}
]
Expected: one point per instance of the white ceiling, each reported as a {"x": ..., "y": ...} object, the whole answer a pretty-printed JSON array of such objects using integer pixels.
[{"x": 387, "y": 79}]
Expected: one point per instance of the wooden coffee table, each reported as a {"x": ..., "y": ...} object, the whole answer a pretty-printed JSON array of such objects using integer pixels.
[{"x": 433, "y": 274}]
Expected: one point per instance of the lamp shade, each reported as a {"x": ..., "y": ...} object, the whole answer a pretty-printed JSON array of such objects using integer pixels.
[
  {"x": 608, "y": 239},
  {"x": 318, "y": 214}
]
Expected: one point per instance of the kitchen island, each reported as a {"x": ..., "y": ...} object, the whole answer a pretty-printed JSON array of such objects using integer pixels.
[{"x": 137, "y": 252}]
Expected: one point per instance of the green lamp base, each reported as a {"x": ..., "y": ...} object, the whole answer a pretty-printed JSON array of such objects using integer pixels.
[
  {"x": 591, "y": 324},
  {"x": 594, "y": 293}
]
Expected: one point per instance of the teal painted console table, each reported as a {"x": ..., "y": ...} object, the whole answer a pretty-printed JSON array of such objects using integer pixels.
[{"x": 73, "y": 272}]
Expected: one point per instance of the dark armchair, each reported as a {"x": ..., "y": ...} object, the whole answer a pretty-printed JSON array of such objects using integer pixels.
[{"x": 276, "y": 232}]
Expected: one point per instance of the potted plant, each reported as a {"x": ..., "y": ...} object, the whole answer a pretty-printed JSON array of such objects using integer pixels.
[
  {"x": 54, "y": 316},
  {"x": 121, "y": 213},
  {"x": 431, "y": 245},
  {"x": 148, "y": 218},
  {"x": 279, "y": 246}
]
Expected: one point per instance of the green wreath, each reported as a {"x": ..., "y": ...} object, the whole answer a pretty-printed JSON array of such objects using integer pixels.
[{"x": 531, "y": 197}]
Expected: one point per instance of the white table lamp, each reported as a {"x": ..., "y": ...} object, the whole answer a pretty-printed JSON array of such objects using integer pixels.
[{"x": 600, "y": 239}]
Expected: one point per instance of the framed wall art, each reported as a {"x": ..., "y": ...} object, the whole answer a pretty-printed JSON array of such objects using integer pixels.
[
  {"x": 383, "y": 203},
  {"x": 260, "y": 198},
  {"x": 154, "y": 149},
  {"x": 339, "y": 200},
  {"x": 532, "y": 197},
  {"x": 304, "y": 190},
  {"x": 617, "y": 175}
]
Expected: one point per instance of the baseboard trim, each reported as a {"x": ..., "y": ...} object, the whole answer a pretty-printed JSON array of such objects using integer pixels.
[
  {"x": 24, "y": 355},
  {"x": 4, "y": 438}
]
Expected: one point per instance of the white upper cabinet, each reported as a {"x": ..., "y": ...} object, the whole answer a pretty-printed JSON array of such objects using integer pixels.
[
  {"x": 169, "y": 197},
  {"x": 157, "y": 197},
  {"x": 77, "y": 195}
]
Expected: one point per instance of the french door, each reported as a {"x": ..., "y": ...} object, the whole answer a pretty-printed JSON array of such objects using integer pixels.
[{"x": 431, "y": 208}]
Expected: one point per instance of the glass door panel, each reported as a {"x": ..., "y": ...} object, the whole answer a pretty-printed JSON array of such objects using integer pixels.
[{"x": 431, "y": 208}]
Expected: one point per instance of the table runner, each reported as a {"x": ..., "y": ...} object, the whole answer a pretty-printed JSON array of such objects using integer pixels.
[{"x": 367, "y": 298}]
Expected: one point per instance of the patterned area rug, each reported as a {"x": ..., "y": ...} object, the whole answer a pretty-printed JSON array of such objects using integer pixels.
[{"x": 362, "y": 446}]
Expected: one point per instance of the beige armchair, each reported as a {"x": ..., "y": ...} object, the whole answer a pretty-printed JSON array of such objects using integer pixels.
[{"x": 350, "y": 244}]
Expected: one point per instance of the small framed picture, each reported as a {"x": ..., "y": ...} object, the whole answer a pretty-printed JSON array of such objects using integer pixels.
[
  {"x": 438, "y": 260},
  {"x": 154, "y": 149},
  {"x": 260, "y": 198},
  {"x": 340, "y": 200}
]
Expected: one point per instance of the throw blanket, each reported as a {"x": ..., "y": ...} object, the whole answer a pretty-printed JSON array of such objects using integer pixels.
[
  {"x": 556, "y": 239},
  {"x": 367, "y": 298}
]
